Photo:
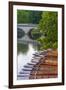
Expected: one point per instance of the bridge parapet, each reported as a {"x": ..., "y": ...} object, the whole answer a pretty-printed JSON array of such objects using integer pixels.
[{"x": 27, "y": 25}]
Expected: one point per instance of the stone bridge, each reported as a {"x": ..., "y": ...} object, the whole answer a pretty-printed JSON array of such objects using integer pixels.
[{"x": 26, "y": 27}]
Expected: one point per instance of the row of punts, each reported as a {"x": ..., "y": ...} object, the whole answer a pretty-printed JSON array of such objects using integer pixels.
[{"x": 44, "y": 64}]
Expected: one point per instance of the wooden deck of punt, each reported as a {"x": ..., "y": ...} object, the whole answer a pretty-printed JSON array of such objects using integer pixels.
[{"x": 47, "y": 67}]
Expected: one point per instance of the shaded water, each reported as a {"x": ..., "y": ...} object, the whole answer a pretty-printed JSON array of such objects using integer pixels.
[{"x": 25, "y": 53}]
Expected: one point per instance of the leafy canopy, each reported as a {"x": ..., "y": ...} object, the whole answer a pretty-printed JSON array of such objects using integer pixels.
[{"x": 48, "y": 25}]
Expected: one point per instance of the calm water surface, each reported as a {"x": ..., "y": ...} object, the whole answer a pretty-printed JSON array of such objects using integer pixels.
[{"x": 25, "y": 54}]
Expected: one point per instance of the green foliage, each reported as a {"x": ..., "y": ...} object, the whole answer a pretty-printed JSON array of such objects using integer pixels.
[
  {"x": 55, "y": 45},
  {"x": 26, "y": 16},
  {"x": 49, "y": 27},
  {"x": 21, "y": 14},
  {"x": 35, "y": 34}
]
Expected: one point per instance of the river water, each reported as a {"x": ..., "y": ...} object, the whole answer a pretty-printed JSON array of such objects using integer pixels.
[{"x": 25, "y": 50}]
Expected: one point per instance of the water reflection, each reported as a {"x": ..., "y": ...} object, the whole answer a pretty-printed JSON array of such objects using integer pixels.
[
  {"x": 23, "y": 48},
  {"x": 25, "y": 54}
]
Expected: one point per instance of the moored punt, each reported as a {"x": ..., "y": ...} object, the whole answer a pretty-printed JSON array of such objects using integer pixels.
[
  {"x": 28, "y": 66},
  {"x": 23, "y": 75},
  {"x": 27, "y": 69},
  {"x": 19, "y": 77},
  {"x": 30, "y": 70},
  {"x": 26, "y": 72},
  {"x": 38, "y": 55},
  {"x": 36, "y": 59},
  {"x": 33, "y": 59},
  {"x": 31, "y": 63}
]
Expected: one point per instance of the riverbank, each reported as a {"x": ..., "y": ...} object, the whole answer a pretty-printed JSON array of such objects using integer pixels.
[{"x": 47, "y": 67}]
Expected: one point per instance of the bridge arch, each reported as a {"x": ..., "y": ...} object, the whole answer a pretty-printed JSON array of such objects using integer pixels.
[
  {"x": 26, "y": 27},
  {"x": 20, "y": 33}
]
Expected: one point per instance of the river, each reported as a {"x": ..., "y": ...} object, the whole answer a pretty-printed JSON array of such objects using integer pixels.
[{"x": 26, "y": 47}]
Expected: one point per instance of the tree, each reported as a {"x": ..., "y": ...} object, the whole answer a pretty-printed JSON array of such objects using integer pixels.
[
  {"x": 28, "y": 16},
  {"x": 48, "y": 25},
  {"x": 23, "y": 16}
]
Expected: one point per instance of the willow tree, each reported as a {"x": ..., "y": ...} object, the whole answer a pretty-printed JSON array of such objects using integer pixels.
[{"x": 48, "y": 25}]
